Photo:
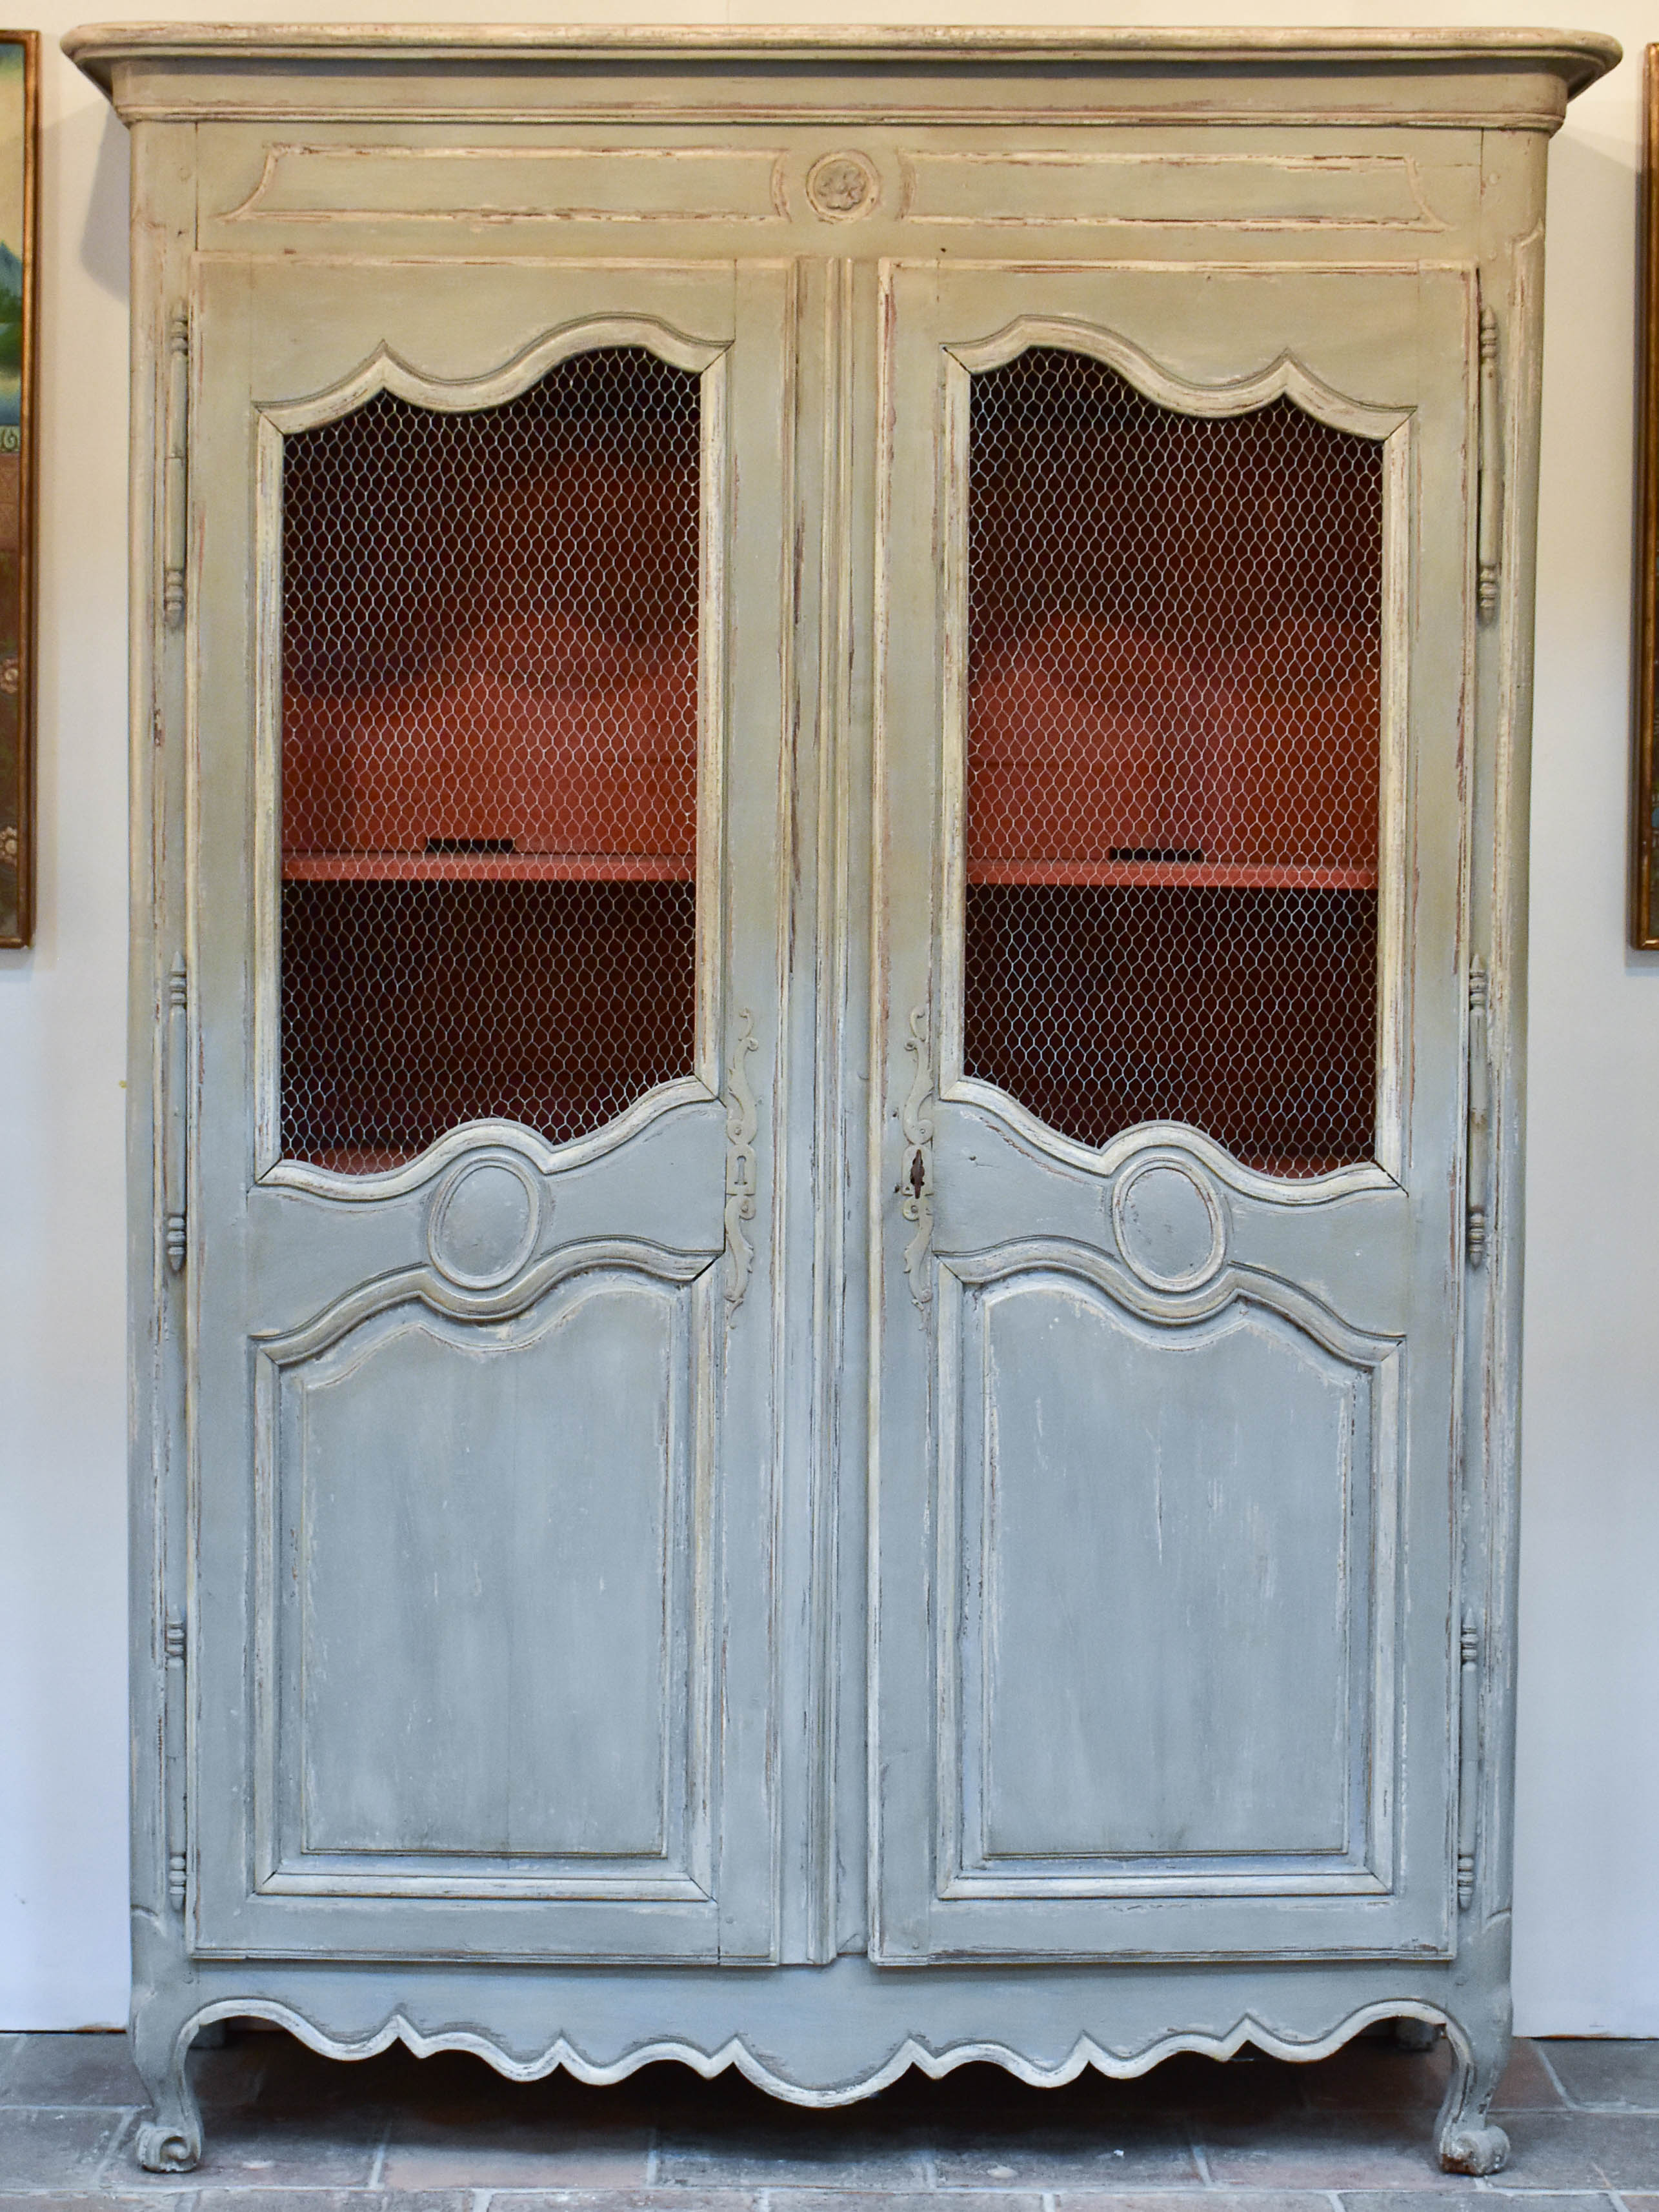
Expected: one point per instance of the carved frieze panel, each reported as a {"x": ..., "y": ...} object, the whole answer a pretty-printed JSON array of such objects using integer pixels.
[
  {"x": 331, "y": 184},
  {"x": 1050, "y": 187}
]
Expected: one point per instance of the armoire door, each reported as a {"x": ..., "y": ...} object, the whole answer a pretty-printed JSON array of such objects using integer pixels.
[
  {"x": 1173, "y": 588},
  {"x": 483, "y": 595}
]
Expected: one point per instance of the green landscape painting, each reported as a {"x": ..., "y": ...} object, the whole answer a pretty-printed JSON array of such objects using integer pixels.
[{"x": 19, "y": 61}]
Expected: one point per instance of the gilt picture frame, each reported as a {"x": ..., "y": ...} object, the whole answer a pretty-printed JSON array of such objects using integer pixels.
[
  {"x": 20, "y": 169},
  {"x": 1644, "y": 796}
]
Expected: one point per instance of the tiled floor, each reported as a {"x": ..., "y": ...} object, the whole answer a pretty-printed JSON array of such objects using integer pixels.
[{"x": 290, "y": 2132}]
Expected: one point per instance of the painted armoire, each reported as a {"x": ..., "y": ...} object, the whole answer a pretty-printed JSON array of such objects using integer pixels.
[{"x": 830, "y": 763}]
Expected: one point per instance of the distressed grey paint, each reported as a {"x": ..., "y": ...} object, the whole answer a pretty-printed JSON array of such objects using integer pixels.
[
  {"x": 1364, "y": 1263},
  {"x": 508, "y": 1680},
  {"x": 1158, "y": 1534},
  {"x": 906, "y": 1583}
]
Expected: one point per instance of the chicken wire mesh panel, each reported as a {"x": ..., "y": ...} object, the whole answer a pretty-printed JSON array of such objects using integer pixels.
[
  {"x": 1174, "y": 661},
  {"x": 489, "y": 760}
]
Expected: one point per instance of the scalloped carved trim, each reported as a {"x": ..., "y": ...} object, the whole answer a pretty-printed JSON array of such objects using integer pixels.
[
  {"x": 387, "y": 371},
  {"x": 934, "y": 2061},
  {"x": 1174, "y": 1307},
  {"x": 1284, "y": 378},
  {"x": 1177, "y": 1136},
  {"x": 482, "y": 1136},
  {"x": 429, "y": 1287},
  {"x": 445, "y": 2017}
]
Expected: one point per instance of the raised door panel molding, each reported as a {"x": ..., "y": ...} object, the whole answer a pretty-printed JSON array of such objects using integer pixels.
[
  {"x": 1161, "y": 1650},
  {"x": 515, "y": 1702}
]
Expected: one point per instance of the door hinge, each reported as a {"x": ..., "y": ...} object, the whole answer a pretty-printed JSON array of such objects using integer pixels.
[
  {"x": 1468, "y": 1756},
  {"x": 916, "y": 1176},
  {"x": 1478, "y": 1148},
  {"x": 176, "y": 1645},
  {"x": 742, "y": 1120},
  {"x": 175, "y": 486},
  {"x": 175, "y": 1110},
  {"x": 1489, "y": 524}
]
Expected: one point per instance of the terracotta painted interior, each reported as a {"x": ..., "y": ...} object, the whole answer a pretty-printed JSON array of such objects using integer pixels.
[
  {"x": 489, "y": 722},
  {"x": 490, "y": 741},
  {"x": 1173, "y": 746}
]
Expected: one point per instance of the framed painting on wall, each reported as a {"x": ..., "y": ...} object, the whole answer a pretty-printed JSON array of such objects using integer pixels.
[
  {"x": 1644, "y": 810},
  {"x": 20, "y": 138}
]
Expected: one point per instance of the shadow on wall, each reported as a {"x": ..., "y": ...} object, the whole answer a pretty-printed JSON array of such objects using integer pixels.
[{"x": 104, "y": 237}]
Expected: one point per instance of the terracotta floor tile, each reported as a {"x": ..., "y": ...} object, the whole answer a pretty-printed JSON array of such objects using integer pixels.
[
  {"x": 1116, "y": 2154},
  {"x": 1328, "y": 2150},
  {"x": 72, "y": 2200},
  {"x": 331, "y": 2200},
  {"x": 1582, "y": 2150},
  {"x": 824, "y": 2158},
  {"x": 1492, "y": 2198},
  {"x": 70, "y": 2069},
  {"x": 1204, "y": 2200},
  {"x": 47, "y": 2150},
  {"x": 492, "y": 2153},
  {"x": 631, "y": 2200},
  {"x": 256, "y": 2149},
  {"x": 841, "y": 2200},
  {"x": 1528, "y": 2084},
  {"x": 1609, "y": 2076}
]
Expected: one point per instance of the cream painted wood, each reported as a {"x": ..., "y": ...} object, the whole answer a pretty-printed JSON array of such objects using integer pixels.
[{"x": 769, "y": 1354}]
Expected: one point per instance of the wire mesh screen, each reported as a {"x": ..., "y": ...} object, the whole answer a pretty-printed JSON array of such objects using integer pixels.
[
  {"x": 1173, "y": 736},
  {"x": 489, "y": 760}
]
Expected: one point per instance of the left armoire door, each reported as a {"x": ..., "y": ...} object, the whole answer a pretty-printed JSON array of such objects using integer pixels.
[{"x": 482, "y": 653}]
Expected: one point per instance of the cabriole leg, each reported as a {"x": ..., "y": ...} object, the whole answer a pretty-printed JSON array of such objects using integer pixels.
[
  {"x": 170, "y": 2141},
  {"x": 1469, "y": 2142}
]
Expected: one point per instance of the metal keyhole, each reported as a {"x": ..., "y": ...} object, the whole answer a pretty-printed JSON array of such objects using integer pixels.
[{"x": 918, "y": 1176}]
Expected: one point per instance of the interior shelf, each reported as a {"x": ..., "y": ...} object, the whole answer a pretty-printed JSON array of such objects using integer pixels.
[
  {"x": 1177, "y": 875},
  {"x": 488, "y": 867}
]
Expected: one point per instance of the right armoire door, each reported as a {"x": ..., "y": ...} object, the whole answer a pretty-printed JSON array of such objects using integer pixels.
[{"x": 1174, "y": 603}]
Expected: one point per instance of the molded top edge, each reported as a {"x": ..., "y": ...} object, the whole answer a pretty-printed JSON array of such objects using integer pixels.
[{"x": 1579, "y": 57}]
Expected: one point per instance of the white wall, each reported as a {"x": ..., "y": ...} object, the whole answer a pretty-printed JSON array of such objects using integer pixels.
[{"x": 1587, "y": 1913}]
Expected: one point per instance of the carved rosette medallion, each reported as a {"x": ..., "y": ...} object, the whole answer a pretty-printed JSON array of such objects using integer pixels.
[
  {"x": 842, "y": 186},
  {"x": 1172, "y": 1230},
  {"x": 483, "y": 1226}
]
